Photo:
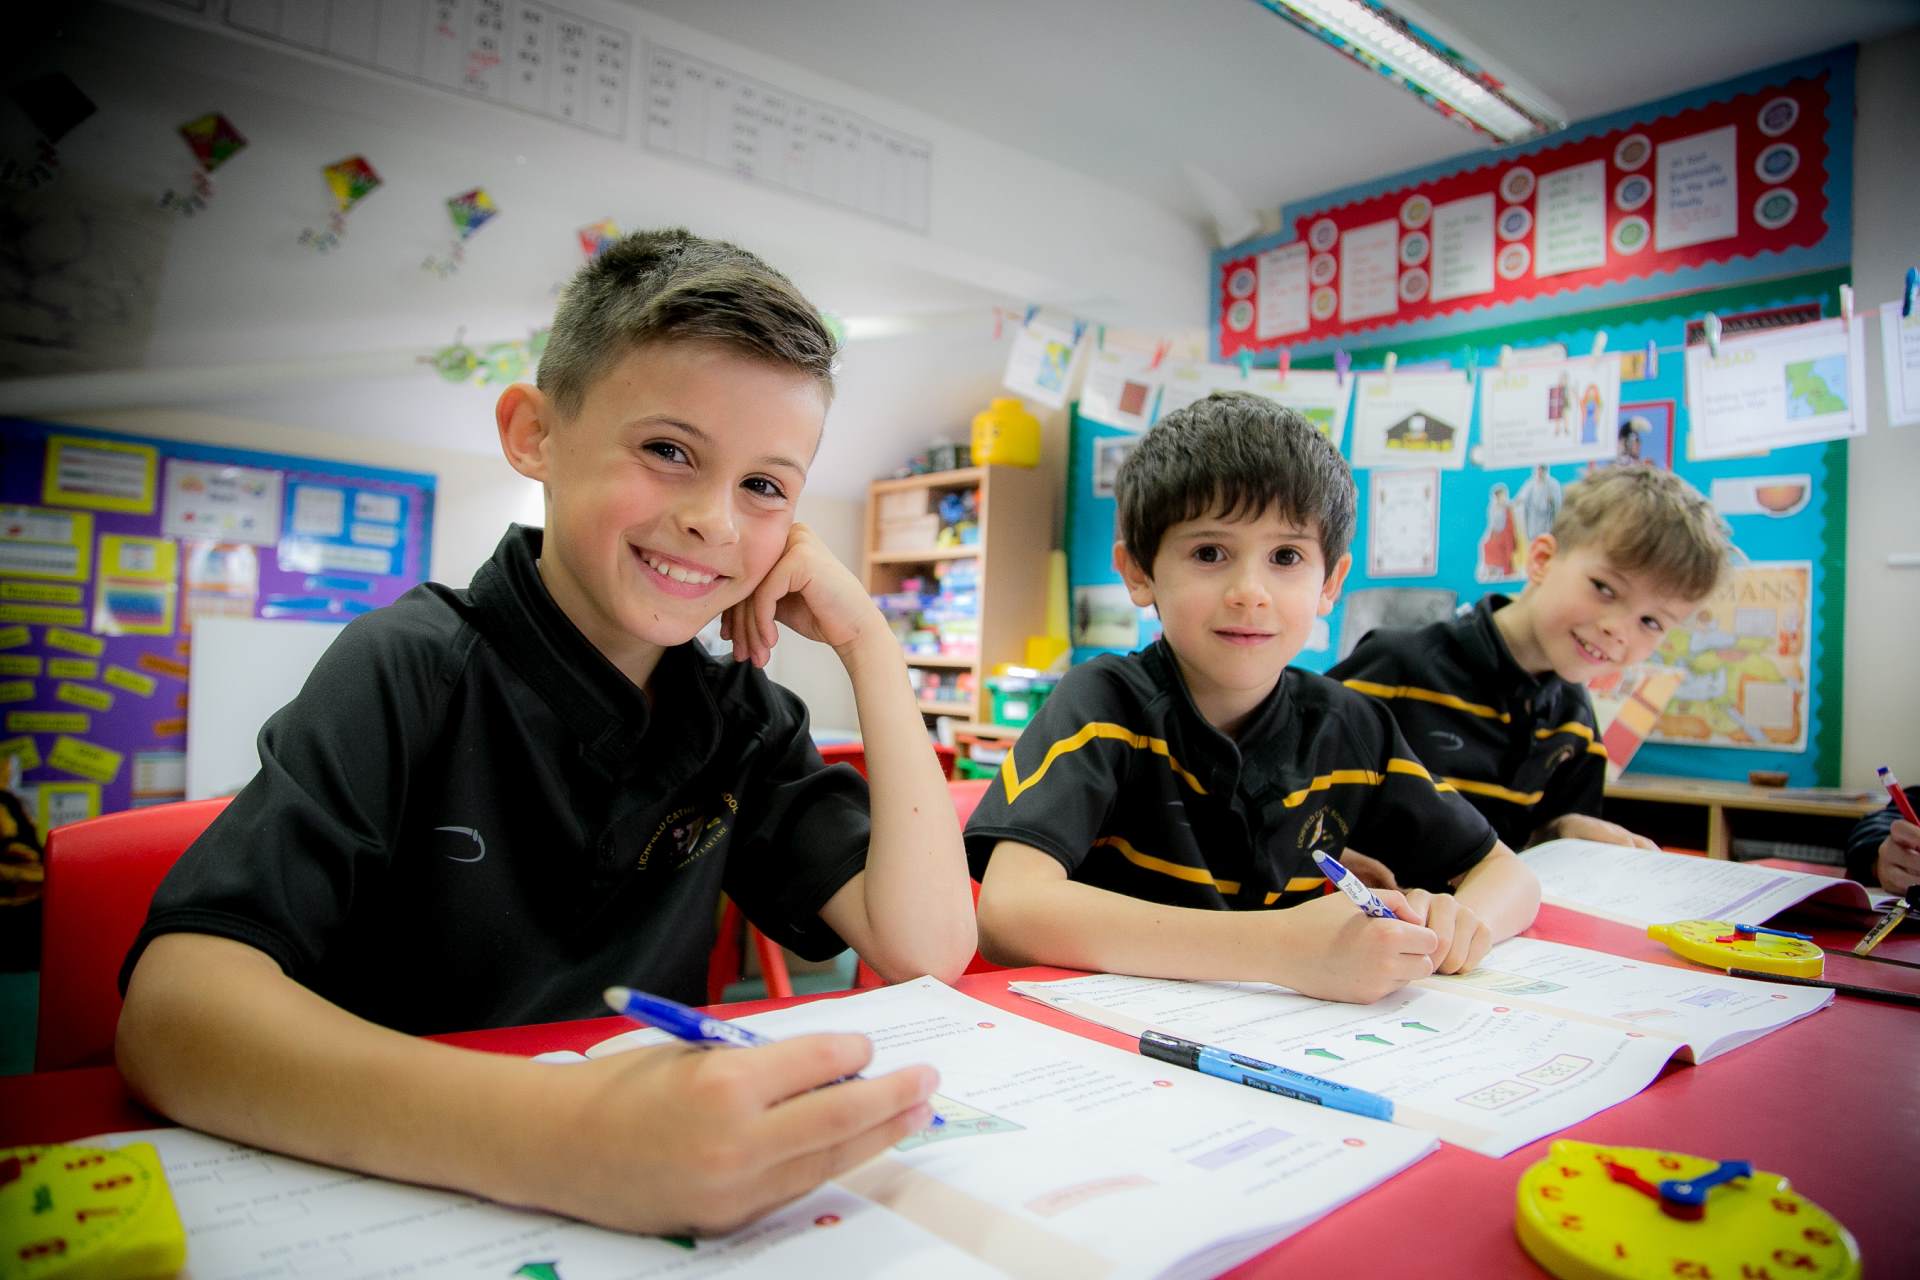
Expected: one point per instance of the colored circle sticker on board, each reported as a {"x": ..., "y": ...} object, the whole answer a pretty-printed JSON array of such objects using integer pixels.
[
  {"x": 1777, "y": 163},
  {"x": 1413, "y": 284},
  {"x": 1631, "y": 151},
  {"x": 1630, "y": 235},
  {"x": 1239, "y": 315},
  {"x": 1322, "y": 234},
  {"x": 1321, "y": 269},
  {"x": 1415, "y": 210},
  {"x": 1413, "y": 248},
  {"x": 1323, "y": 303},
  {"x": 1515, "y": 222},
  {"x": 1631, "y": 192},
  {"x": 1778, "y": 116},
  {"x": 1512, "y": 262},
  {"x": 1517, "y": 185},
  {"x": 1775, "y": 209},
  {"x": 1240, "y": 283}
]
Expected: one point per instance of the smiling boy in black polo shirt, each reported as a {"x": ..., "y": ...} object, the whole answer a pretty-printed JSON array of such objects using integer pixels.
[
  {"x": 488, "y": 805},
  {"x": 1158, "y": 803},
  {"x": 1495, "y": 700}
]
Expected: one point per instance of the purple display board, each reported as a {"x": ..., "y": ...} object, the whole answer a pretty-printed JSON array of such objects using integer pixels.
[{"x": 111, "y": 545}]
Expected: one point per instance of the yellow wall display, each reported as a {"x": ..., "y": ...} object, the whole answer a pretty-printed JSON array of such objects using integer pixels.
[
  {"x": 20, "y": 664},
  {"x": 102, "y": 475},
  {"x": 73, "y": 669},
  {"x": 64, "y": 802},
  {"x": 22, "y": 750},
  {"x": 82, "y": 695},
  {"x": 14, "y": 637},
  {"x": 53, "y": 615},
  {"x": 38, "y": 542},
  {"x": 131, "y": 681},
  {"x": 42, "y": 592},
  {"x": 75, "y": 642},
  {"x": 48, "y": 722},
  {"x": 88, "y": 759},
  {"x": 16, "y": 691}
]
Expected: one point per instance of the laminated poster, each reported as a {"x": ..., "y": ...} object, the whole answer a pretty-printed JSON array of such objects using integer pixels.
[
  {"x": 1411, "y": 420},
  {"x": 1563, "y": 411},
  {"x": 1403, "y": 524},
  {"x": 1041, "y": 364},
  {"x": 1900, "y": 351},
  {"x": 1777, "y": 387}
]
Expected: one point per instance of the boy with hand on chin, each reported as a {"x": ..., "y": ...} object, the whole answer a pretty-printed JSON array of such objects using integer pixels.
[
  {"x": 488, "y": 805},
  {"x": 1495, "y": 700},
  {"x": 1158, "y": 805}
]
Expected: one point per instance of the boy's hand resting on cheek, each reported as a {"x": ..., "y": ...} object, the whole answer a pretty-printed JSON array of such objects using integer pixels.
[
  {"x": 1336, "y": 953},
  {"x": 1462, "y": 938},
  {"x": 810, "y": 591}
]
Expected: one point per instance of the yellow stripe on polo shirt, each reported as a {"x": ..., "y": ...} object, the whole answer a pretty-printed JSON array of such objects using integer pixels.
[
  {"x": 1571, "y": 726},
  {"x": 1095, "y": 731},
  {"x": 1434, "y": 696},
  {"x": 1597, "y": 749},
  {"x": 1178, "y": 870},
  {"x": 1524, "y": 798},
  {"x": 1299, "y": 884},
  {"x": 1361, "y": 778}
]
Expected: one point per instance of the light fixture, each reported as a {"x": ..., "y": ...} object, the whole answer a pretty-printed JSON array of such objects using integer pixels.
[{"x": 1421, "y": 63}]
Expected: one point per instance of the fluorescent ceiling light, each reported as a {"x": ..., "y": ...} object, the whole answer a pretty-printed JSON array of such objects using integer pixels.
[{"x": 1418, "y": 61}]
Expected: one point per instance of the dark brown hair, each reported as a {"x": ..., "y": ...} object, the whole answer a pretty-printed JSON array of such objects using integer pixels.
[{"x": 671, "y": 285}]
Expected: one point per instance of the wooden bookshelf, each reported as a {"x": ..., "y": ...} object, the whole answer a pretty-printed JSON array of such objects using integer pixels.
[{"x": 1016, "y": 530}]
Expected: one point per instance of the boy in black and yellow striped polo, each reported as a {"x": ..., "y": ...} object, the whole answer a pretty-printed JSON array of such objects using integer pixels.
[
  {"x": 1495, "y": 701},
  {"x": 1157, "y": 803}
]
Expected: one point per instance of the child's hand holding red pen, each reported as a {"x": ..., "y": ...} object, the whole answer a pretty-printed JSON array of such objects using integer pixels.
[{"x": 1897, "y": 866}]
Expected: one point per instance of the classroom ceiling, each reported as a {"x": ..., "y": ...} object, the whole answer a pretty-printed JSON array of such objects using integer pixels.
[{"x": 1140, "y": 94}]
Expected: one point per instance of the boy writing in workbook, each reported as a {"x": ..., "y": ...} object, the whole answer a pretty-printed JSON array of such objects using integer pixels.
[
  {"x": 1158, "y": 805},
  {"x": 1495, "y": 700},
  {"x": 488, "y": 805}
]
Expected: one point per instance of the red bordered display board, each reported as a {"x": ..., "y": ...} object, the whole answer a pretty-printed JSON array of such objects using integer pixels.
[{"x": 1741, "y": 181}]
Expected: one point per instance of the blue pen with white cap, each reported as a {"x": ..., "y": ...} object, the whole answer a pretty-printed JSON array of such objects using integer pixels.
[
  {"x": 694, "y": 1027},
  {"x": 1348, "y": 883}
]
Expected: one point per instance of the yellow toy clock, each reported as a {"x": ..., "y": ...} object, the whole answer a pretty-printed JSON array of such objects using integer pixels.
[
  {"x": 86, "y": 1213},
  {"x": 1720, "y": 945},
  {"x": 1588, "y": 1212}
]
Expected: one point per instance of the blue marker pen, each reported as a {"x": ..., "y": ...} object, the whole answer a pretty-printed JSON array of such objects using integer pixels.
[
  {"x": 1348, "y": 883},
  {"x": 1264, "y": 1075},
  {"x": 693, "y": 1026}
]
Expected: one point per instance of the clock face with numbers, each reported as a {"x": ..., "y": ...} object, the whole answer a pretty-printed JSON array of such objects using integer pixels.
[
  {"x": 1589, "y": 1212},
  {"x": 87, "y": 1211},
  {"x": 1716, "y": 944}
]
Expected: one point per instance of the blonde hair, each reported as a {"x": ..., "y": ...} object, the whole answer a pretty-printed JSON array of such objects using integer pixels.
[{"x": 1648, "y": 520}]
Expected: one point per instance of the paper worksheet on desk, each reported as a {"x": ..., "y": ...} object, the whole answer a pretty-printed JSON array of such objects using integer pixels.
[
  {"x": 1060, "y": 1157},
  {"x": 1642, "y": 887},
  {"x": 1539, "y": 1037}
]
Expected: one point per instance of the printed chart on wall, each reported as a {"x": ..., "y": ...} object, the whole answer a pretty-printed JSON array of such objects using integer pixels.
[{"x": 112, "y": 545}]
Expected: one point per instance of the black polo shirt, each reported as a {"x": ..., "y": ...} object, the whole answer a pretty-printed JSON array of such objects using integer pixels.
[
  {"x": 470, "y": 818},
  {"x": 1522, "y": 748},
  {"x": 1121, "y": 779}
]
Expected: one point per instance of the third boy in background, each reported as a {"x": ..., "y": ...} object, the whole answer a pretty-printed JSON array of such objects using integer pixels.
[{"x": 1495, "y": 700}]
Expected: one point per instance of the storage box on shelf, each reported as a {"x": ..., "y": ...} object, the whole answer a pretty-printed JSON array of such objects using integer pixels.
[{"x": 971, "y": 586}]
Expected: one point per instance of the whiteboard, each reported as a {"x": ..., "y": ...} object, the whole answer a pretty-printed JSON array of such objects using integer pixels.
[{"x": 242, "y": 670}]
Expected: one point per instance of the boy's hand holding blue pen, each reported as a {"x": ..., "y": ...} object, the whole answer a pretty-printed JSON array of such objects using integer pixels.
[{"x": 695, "y": 1028}]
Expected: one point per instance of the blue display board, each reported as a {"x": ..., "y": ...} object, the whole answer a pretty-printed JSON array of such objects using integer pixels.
[{"x": 1813, "y": 530}]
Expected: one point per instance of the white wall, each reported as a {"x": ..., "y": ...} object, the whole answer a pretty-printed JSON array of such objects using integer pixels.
[{"x": 1882, "y": 716}]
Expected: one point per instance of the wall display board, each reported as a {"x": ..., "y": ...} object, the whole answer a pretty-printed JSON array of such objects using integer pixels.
[
  {"x": 111, "y": 546},
  {"x": 1762, "y": 672},
  {"x": 1698, "y": 191}
]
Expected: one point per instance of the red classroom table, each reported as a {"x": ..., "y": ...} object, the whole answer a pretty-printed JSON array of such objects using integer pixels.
[{"x": 1833, "y": 1101}]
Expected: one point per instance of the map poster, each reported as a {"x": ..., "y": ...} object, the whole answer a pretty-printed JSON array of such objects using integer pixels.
[
  {"x": 1745, "y": 662},
  {"x": 1777, "y": 387}
]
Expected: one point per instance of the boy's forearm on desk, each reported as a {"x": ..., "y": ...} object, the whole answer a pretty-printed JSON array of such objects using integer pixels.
[
  {"x": 918, "y": 907},
  {"x": 1503, "y": 892},
  {"x": 1078, "y": 926},
  {"x": 217, "y": 1037}
]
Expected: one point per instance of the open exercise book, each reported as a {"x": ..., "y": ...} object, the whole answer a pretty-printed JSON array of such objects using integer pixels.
[
  {"x": 1644, "y": 886},
  {"x": 1540, "y": 1036},
  {"x": 1060, "y": 1157}
]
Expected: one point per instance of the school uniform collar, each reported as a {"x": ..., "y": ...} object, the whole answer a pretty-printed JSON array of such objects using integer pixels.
[
  {"x": 605, "y": 712},
  {"x": 1217, "y": 758},
  {"x": 1487, "y": 652}
]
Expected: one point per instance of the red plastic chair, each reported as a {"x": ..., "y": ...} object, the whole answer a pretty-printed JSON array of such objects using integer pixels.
[
  {"x": 855, "y": 754},
  {"x": 966, "y": 795},
  {"x": 101, "y": 874}
]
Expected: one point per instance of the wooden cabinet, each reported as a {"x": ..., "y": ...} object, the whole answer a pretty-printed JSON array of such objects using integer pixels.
[{"x": 1016, "y": 532}]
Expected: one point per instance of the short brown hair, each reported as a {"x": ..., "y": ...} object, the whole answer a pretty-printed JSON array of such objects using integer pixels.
[
  {"x": 1233, "y": 454},
  {"x": 671, "y": 285},
  {"x": 1648, "y": 520}
]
